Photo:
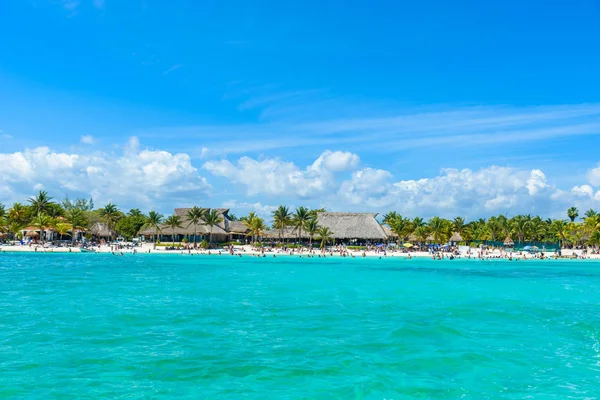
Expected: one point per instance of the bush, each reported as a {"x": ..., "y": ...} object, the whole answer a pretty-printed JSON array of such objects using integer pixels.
[
  {"x": 355, "y": 247},
  {"x": 233, "y": 244},
  {"x": 204, "y": 244},
  {"x": 185, "y": 240}
]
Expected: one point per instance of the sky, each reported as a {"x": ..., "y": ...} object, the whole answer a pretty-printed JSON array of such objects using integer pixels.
[{"x": 426, "y": 108}]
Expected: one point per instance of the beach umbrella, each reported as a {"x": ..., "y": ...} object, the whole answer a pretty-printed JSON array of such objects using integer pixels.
[
  {"x": 527, "y": 248},
  {"x": 407, "y": 245},
  {"x": 32, "y": 233}
]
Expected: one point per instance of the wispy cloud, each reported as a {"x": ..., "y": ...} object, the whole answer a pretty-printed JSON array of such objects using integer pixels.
[
  {"x": 70, "y": 5},
  {"x": 363, "y": 126},
  {"x": 172, "y": 69},
  {"x": 87, "y": 139}
]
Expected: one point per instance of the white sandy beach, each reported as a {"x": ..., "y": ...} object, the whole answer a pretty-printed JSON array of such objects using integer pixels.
[{"x": 248, "y": 250}]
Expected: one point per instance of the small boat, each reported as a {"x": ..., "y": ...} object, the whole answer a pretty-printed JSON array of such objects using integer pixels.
[{"x": 84, "y": 250}]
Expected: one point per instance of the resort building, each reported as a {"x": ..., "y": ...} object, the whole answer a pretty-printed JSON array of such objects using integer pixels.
[
  {"x": 352, "y": 227},
  {"x": 227, "y": 230}
]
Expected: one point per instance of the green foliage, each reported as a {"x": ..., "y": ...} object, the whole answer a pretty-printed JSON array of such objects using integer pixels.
[
  {"x": 130, "y": 226},
  {"x": 204, "y": 244},
  {"x": 185, "y": 240}
]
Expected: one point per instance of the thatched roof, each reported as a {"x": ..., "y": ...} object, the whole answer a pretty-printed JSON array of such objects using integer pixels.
[
  {"x": 456, "y": 237},
  {"x": 200, "y": 229},
  {"x": 289, "y": 232},
  {"x": 430, "y": 238},
  {"x": 388, "y": 231},
  {"x": 238, "y": 227},
  {"x": 508, "y": 241},
  {"x": 100, "y": 229},
  {"x": 412, "y": 238},
  {"x": 352, "y": 225}
]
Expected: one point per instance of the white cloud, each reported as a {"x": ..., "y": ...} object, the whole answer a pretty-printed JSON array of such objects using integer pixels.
[
  {"x": 453, "y": 192},
  {"x": 593, "y": 176},
  {"x": 466, "y": 192},
  {"x": 272, "y": 176},
  {"x": 6, "y": 136},
  {"x": 143, "y": 178},
  {"x": 87, "y": 139},
  {"x": 336, "y": 161}
]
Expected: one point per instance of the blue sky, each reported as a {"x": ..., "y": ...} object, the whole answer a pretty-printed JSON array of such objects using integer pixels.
[{"x": 422, "y": 107}]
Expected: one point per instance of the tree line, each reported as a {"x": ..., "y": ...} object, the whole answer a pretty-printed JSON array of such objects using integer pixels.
[
  {"x": 70, "y": 217},
  {"x": 571, "y": 231}
]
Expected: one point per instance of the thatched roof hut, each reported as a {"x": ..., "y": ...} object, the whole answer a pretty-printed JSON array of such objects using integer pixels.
[
  {"x": 100, "y": 229},
  {"x": 456, "y": 238},
  {"x": 187, "y": 228},
  {"x": 352, "y": 225},
  {"x": 412, "y": 238},
  {"x": 430, "y": 238},
  {"x": 289, "y": 232},
  {"x": 508, "y": 241},
  {"x": 389, "y": 233},
  {"x": 238, "y": 227}
]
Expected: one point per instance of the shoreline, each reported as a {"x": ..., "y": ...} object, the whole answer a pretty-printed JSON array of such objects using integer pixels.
[{"x": 247, "y": 250}]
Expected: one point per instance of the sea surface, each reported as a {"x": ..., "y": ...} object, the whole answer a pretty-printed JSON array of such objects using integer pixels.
[{"x": 217, "y": 327}]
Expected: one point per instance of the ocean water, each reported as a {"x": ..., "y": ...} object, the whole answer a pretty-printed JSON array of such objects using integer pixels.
[{"x": 181, "y": 327}]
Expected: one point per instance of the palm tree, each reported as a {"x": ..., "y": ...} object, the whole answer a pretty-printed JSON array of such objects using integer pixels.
[
  {"x": 135, "y": 212},
  {"x": 325, "y": 235},
  {"x": 389, "y": 217},
  {"x": 195, "y": 215},
  {"x": 249, "y": 222},
  {"x": 418, "y": 222},
  {"x": 40, "y": 204},
  {"x": 421, "y": 233},
  {"x": 76, "y": 219},
  {"x": 400, "y": 226},
  {"x": 520, "y": 225},
  {"x": 590, "y": 213},
  {"x": 311, "y": 228},
  {"x": 282, "y": 218},
  {"x": 537, "y": 228},
  {"x": 301, "y": 217},
  {"x": 560, "y": 227},
  {"x": 173, "y": 222},
  {"x": 572, "y": 213},
  {"x": 438, "y": 228},
  {"x": 2, "y": 211},
  {"x": 41, "y": 222},
  {"x": 110, "y": 214},
  {"x": 458, "y": 225},
  {"x": 154, "y": 220},
  {"x": 17, "y": 213},
  {"x": 14, "y": 227},
  {"x": 211, "y": 219},
  {"x": 257, "y": 226},
  {"x": 60, "y": 227}
]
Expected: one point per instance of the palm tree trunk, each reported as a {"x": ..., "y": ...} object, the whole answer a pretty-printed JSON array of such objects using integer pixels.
[
  {"x": 173, "y": 237},
  {"x": 195, "y": 236}
]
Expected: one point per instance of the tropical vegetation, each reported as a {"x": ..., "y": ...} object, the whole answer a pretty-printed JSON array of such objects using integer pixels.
[{"x": 42, "y": 217}]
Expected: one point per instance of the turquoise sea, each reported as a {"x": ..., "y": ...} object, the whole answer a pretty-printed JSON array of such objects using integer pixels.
[{"x": 209, "y": 327}]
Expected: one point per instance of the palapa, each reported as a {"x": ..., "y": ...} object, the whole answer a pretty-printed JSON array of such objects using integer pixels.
[
  {"x": 351, "y": 225},
  {"x": 389, "y": 232},
  {"x": 508, "y": 241},
  {"x": 100, "y": 229},
  {"x": 456, "y": 237}
]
